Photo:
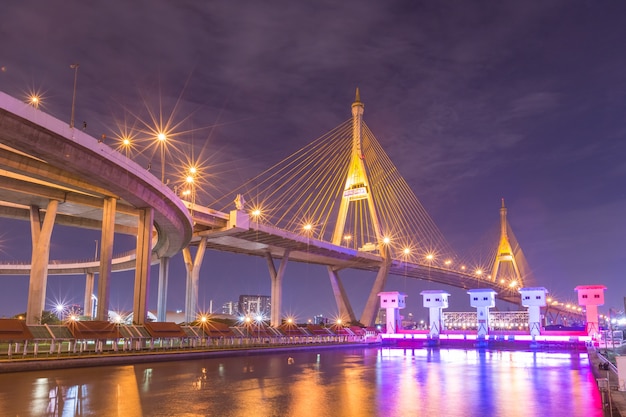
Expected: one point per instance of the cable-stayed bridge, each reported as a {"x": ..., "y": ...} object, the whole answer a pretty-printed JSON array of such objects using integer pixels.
[
  {"x": 338, "y": 202},
  {"x": 342, "y": 189}
]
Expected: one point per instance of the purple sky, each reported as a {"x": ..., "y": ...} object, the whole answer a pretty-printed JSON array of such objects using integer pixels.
[{"x": 473, "y": 101}]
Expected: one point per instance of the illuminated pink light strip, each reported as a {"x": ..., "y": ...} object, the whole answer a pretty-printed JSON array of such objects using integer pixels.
[{"x": 515, "y": 338}]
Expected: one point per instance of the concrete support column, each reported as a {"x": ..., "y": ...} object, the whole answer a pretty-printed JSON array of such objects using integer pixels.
[
  {"x": 277, "y": 287},
  {"x": 106, "y": 258},
  {"x": 142, "y": 266},
  {"x": 88, "y": 304},
  {"x": 193, "y": 279},
  {"x": 369, "y": 312},
  {"x": 482, "y": 314},
  {"x": 164, "y": 271},
  {"x": 341, "y": 297},
  {"x": 534, "y": 320},
  {"x": 41, "y": 233},
  {"x": 435, "y": 315}
]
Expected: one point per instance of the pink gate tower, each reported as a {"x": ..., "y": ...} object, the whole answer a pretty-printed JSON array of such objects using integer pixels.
[{"x": 591, "y": 296}]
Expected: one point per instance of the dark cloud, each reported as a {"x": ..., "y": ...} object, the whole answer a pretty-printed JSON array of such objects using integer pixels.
[{"x": 473, "y": 101}]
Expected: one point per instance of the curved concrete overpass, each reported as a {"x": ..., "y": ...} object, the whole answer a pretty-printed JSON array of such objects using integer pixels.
[
  {"x": 42, "y": 158},
  {"x": 49, "y": 168}
]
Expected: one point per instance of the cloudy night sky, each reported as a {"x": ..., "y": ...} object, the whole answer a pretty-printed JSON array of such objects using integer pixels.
[{"x": 473, "y": 101}]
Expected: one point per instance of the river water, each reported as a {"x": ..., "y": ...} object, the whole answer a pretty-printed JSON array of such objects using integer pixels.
[{"x": 338, "y": 382}]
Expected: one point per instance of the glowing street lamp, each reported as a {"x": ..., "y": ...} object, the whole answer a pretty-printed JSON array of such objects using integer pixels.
[
  {"x": 308, "y": 230},
  {"x": 60, "y": 309},
  {"x": 34, "y": 101},
  {"x": 162, "y": 138},
  {"x": 126, "y": 144},
  {"x": 259, "y": 322}
]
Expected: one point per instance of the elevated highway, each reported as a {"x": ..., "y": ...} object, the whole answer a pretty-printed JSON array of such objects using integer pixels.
[{"x": 54, "y": 174}]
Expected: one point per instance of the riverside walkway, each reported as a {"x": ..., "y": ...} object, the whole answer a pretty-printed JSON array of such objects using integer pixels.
[
  {"x": 96, "y": 343},
  {"x": 605, "y": 373}
]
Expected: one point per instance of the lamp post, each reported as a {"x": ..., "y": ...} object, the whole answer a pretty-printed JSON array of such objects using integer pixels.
[
  {"x": 126, "y": 145},
  {"x": 259, "y": 322},
  {"x": 75, "y": 68},
  {"x": 162, "y": 138}
]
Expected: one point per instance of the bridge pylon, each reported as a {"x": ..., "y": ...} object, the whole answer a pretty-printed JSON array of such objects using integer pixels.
[
  {"x": 504, "y": 253},
  {"x": 357, "y": 185},
  {"x": 357, "y": 189}
]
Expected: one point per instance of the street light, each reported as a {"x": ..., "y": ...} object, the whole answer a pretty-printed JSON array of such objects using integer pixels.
[
  {"x": 60, "y": 309},
  {"x": 75, "y": 68},
  {"x": 34, "y": 101},
  {"x": 259, "y": 321},
  {"x": 162, "y": 137},
  {"x": 126, "y": 144}
]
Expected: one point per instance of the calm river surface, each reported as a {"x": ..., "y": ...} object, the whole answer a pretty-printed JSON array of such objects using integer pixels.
[{"x": 341, "y": 382}]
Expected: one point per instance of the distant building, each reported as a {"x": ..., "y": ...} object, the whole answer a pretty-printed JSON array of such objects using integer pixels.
[
  {"x": 255, "y": 304},
  {"x": 381, "y": 317},
  {"x": 230, "y": 307}
]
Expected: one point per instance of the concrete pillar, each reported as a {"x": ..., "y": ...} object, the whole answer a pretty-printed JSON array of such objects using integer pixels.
[
  {"x": 142, "y": 266},
  {"x": 276, "y": 287},
  {"x": 164, "y": 270},
  {"x": 435, "y": 301},
  {"x": 41, "y": 233},
  {"x": 392, "y": 301},
  {"x": 193, "y": 279},
  {"x": 88, "y": 304},
  {"x": 534, "y": 299},
  {"x": 369, "y": 312},
  {"x": 482, "y": 299},
  {"x": 341, "y": 297},
  {"x": 590, "y": 297},
  {"x": 106, "y": 258}
]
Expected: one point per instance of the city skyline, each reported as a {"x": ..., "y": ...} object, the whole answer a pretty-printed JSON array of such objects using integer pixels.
[{"x": 472, "y": 104}]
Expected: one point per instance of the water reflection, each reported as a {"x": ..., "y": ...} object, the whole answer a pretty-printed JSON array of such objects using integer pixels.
[{"x": 360, "y": 382}]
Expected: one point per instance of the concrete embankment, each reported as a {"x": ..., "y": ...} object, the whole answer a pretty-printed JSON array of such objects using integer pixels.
[
  {"x": 109, "y": 359},
  {"x": 615, "y": 401}
]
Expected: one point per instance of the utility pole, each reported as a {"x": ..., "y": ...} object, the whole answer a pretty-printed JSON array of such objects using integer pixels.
[{"x": 75, "y": 68}]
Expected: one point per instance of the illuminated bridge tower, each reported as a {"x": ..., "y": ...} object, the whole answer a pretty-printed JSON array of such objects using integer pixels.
[
  {"x": 357, "y": 192},
  {"x": 505, "y": 258}
]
